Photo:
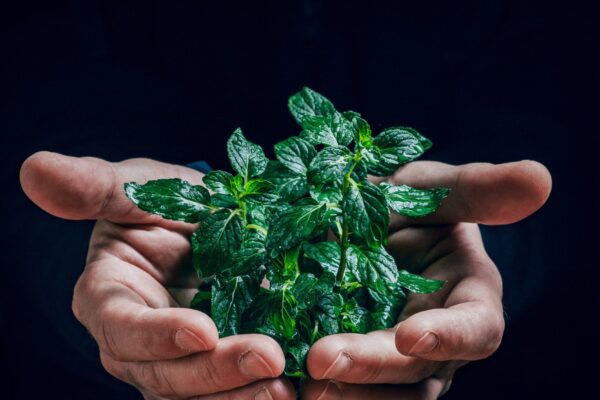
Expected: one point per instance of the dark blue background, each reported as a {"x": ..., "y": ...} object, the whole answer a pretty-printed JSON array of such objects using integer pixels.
[{"x": 485, "y": 80}]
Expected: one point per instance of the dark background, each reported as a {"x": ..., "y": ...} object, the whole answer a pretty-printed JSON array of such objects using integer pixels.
[{"x": 486, "y": 80}]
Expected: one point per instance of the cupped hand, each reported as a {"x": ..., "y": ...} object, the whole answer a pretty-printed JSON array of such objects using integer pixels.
[
  {"x": 138, "y": 265},
  {"x": 440, "y": 332}
]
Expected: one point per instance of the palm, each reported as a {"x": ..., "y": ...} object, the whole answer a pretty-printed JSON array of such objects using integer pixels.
[{"x": 153, "y": 258}]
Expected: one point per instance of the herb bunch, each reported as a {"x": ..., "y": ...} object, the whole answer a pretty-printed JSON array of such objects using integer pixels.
[{"x": 275, "y": 219}]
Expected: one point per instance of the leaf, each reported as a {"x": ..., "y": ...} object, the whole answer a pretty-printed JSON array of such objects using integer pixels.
[
  {"x": 247, "y": 159},
  {"x": 331, "y": 130},
  {"x": 328, "y": 193},
  {"x": 418, "y": 284},
  {"x": 397, "y": 146},
  {"x": 412, "y": 202},
  {"x": 249, "y": 257},
  {"x": 223, "y": 201},
  {"x": 365, "y": 209},
  {"x": 220, "y": 182},
  {"x": 295, "y": 365},
  {"x": 296, "y": 154},
  {"x": 327, "y": 312},
  {"x": 272, "y": 313},
  {"x": 373, "y": 267},
  {"x": 385, "y": 308},
  {"x": 173, "y": 199},
  {"x": 363, "y": 132},
  {"x": 307, "y": 102},
  {"x": 285, "y": 268},
  {"x": 230, "y": 297},
  {"x": 293, "y": 225},
  {"x": 327, "y": 254},
  {"x": 218, "y": 236},
  {"x": 354, "y": 318},
  {"x": 290, "y": 185},
  {"x": 329, "y": 165},
  {"x": 259, "y": 190},
  {"x": 308, "y": 288},
  {"x": 201, "y": 301}
]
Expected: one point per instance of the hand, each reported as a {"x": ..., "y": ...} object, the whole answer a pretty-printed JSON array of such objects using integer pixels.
[
  {"x": 437, "y": 333},
  {"x": 138, "y": 265}
]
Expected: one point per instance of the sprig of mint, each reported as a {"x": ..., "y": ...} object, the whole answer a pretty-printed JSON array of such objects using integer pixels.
[{"x": 273, "y": 219}]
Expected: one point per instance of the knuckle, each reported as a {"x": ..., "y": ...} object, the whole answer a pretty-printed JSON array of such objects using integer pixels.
[
  {"x": 152, "y": 376},
  {"x": 420, "y": 370},
  {"x": 496, "y": 334},
  {"x": 376, "y": 368},
  {"x": 106, "y": 337},
  {"x": 206, "y": 372},
  {"x": 111, "y": 367}
]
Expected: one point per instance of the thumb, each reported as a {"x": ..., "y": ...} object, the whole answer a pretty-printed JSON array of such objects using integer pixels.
[{"x": 91, "y": 188}]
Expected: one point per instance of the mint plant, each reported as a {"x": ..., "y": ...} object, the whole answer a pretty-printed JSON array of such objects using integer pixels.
[{"x": 310, "y": 222}]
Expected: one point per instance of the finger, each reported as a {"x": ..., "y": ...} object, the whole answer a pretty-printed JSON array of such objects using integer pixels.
[
  {"x": 362, "y": 359},
  {"x": 471, "y": 325},
  {"x": 92, "y": 188},
  {"x": 140, "y": 324},
  {"x": 236, "y": 361},
  {"x": 270, "y": 389},
  {"x": 479, "y": 192},
  {"x": 429, "y": 389}
]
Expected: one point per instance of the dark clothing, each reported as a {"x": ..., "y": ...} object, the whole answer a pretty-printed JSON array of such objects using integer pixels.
[{"x": 486, "y": 81}]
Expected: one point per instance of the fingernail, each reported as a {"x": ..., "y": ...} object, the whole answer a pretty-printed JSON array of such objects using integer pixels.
[
  {"x": 331, "y": 392},
  {"x": 340, "y": 365},
  {"x": 188, "y": 340},
  {"x": 254, "y": 366},
  {"x": 426, "y": 344},
  {"x": 263, "y": 394}
]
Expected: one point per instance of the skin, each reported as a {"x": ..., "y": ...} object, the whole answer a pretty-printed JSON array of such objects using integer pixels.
[{"x": 138, "y": 276}]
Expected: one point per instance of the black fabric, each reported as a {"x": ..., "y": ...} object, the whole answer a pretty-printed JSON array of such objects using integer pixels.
[{"x": 486, "y": 81}]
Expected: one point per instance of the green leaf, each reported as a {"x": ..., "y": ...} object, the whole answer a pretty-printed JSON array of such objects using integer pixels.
[
  {"x": 309, "y": 103},
  {"x": 365, "y": 209},
  {"x": 218, "y": 236},
  {"x": 412, "y": 202},
  {"x": 285, "y": 268},
  {"x": 373, "y": 267},
  {"x": 259, "y": 190},
  {"x": 293, "y": 225},
  {"x": 350, "y": 115},
  {"x": 328, "y": 193},
  {"x": 363, "y": 132},
  {"x": 219, "y": 182},
  {"x": 329, "y": 165},
  {"x": 272, "y": 313},
  {"x": 385, "y": 308},
  {"x": 230, "y": 297},
  {"x": 290, "y": 185},
  {"x": 397, "y": 146},
  {"x": 327, "y": 311},
  {"x": 201, "y": 301},
  {"x": 354, "y": 318},
  {"x": 308, "y": 288},
  {"x": 174, "y": 199},
  {"x": 296, "y": 154},
  {"x": 330, "y": 130},
  {"x": 417, "y": 283},
  {"x": 295, "y": 365},
  {"x": 249, "y": 257},
  {"x": 325, "y": 253},
  {"x": 247, "y": 159},
  {"x": 223, "y": 201}
]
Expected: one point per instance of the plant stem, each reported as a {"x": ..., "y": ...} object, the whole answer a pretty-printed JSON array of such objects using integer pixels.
[
  {"x": 339, "y": 278},
  {"x": 345, "y": 239}
]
